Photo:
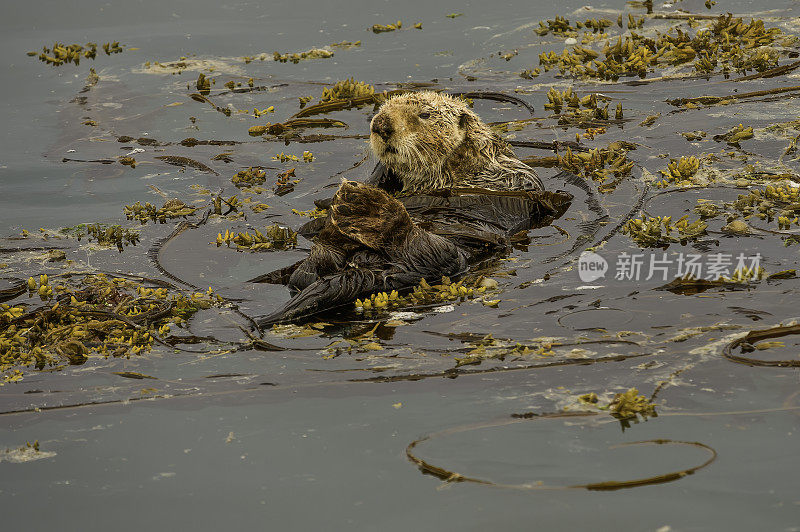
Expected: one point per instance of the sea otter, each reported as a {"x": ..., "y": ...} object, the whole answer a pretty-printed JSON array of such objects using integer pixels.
[
  {"x": 427, "y": 141},
  {"x": 460, "y": 194}
]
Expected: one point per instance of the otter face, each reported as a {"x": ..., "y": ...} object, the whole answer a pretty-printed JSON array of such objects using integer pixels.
[{"x": 415, "y": 133}]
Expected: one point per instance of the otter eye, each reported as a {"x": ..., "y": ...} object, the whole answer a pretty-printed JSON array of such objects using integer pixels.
[{"x": 424, "y": 115}]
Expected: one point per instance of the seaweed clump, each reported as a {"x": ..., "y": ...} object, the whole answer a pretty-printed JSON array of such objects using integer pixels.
[
  {"x": 314, "y": 53},
  {"x": 629, "y": 405},
  {"x": 735, "y": 135},
  {"x": 727, "y": 43},
  {"x": 250, "y": 177},
  {"x": 424, "y": 293},
  {"x": 680, "y": 172},
  {"x": 571, "y": 104},
  {"x": 384, "y": 28},
  {"x": 173, "y": 208},
  {"x": 346, "y": 90},
  {"x": 61, "y": 53},
  {"x": 660, "y": 231},
  {"x": 276, "y": 238},
  {"x": 561, "y": 25},
  {"x": 114, "y": 235},
  {"x": 781, "y": 202},
  {"x": 100, "y": 315},
  {"x": 606, "y": 166}
]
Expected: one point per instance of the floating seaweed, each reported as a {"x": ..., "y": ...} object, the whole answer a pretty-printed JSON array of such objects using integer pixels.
[
  {"x": 589, "y": 398},
  {"x": 650, "y": 120},
  {"x": 98, "y": 316},
  {"x": 294, "y": 123},
  {"x": 569, "y": 101},
  {"x": 692, "y": 136},
  {"x": 274, "y": 238},
  {"x": 203, "y": 99},
  {"x": 173, "y": 208},
  {"x": 316, "y": 212},
  {"x": 60, "y": 54},
  {"x": 726, "y": 43},
  {"x": 114, "y": 235},
  {"x": 257, "y": 113},
  {"x": 127, "y": 161},
  {"x": 680, "y": 172},
  {"x": 561, "y": 26},
  {"x": 30, "y": 451},
  {"x": 451, "y": 476},
  {"x": 380, "y": 28},
  {"x": 284, "y": 184},
  {"x": 735, "y": 135},
  {"x": 424, "y": 293},
  {"x": 347, "y": 90},
  {"x": 606, "y": 166},
  {"x": 254, "y": 175},
  {"x": 282, "y": 157},
  {"x": 203, "y": 84},
  {"x": 628, "y": 406},
  {"x": 772, "y": 202},
  {"x": 754, "y": 339},
  {"x": 660, "y": 231},
  {"x": 314, "y": 53},
  {"x": 346, "y": 44}
]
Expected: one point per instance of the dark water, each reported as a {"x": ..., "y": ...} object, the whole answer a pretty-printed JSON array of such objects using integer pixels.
[{"x": 308, "y": 436}]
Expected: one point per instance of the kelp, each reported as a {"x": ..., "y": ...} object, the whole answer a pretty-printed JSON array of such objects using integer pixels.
[
  {"x": 726, "y": 44},
  {"x": 630, "y": 404},
  {"x": 660, "y": 231},
  {"x": 60, "y": 54},
  {"x": 425, "y": 294},
  {"x": 680, "y": 172},
  {"x": 384, "y": 28},
  {"x": 177, "y": 160},
  {"x": 780, "y": 203},
  {"x": 749, "y": 343},
  {"x": 96, "y": 316},
  {"x": 723, "y": 100},
  {"x": 288, "y": 127},
  {"x": 249, "y": 177},
  {"x": 450, "y": 476},
  {"x": 347, "y": 90},
  {"x": 114, "y": 235},
  {"x": 735, "y": 135},
  {"x": 606, "y": 166},
  {"x": 275, "y": 237},
  {"x": 314, "y": 53},
  {"x": 173, "y": 208}
]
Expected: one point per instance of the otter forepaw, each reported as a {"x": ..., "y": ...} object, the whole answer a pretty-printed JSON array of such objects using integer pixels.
[{"x": 369, "y": 215}]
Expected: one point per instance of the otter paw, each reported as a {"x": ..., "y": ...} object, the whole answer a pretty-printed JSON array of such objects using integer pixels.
[{"x": 369, "y": 215}]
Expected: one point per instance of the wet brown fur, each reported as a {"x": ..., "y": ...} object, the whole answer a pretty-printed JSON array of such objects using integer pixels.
[
  {"x": 433, "y": 141},
  {"x": 369, "y": 242}
]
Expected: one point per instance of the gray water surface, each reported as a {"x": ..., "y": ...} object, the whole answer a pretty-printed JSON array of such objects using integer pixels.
[{"x": 309, "y": 437}]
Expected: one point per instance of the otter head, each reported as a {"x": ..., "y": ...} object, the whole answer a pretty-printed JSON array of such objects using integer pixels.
[{"x": 418, "y": 135}]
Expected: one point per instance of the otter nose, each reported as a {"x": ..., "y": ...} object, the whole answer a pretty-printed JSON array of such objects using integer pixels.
[{"x": 381, "y": 125}]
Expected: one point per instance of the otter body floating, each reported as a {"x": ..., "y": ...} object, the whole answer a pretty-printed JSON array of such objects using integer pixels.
[{"x": 461, "y": 196}]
